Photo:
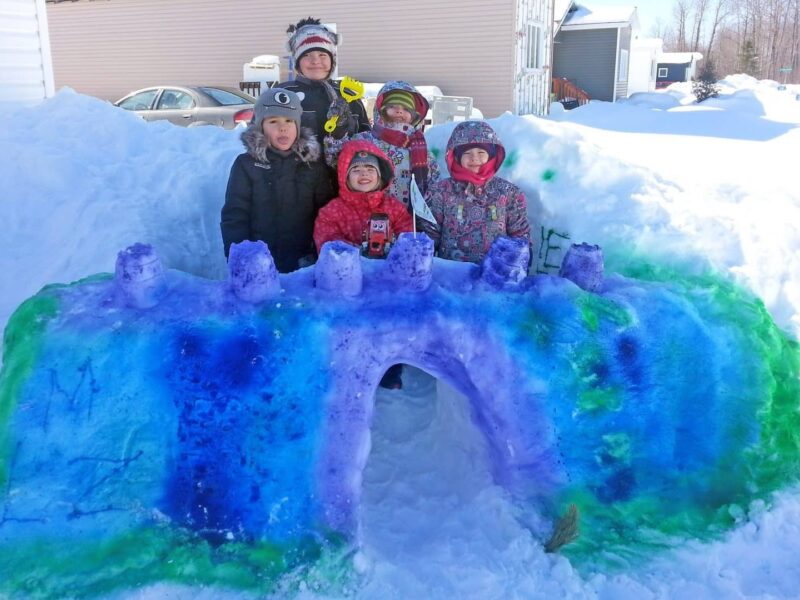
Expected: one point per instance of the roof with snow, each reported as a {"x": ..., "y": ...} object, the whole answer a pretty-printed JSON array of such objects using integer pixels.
[
  {"x": 583, "y": 17},
  {"x": 679, "y": 58}
]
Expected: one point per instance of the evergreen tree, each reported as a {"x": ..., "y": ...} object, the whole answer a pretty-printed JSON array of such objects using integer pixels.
[
  {"x": 705, "y": 84},
  {"x": 748, "y": 58}
]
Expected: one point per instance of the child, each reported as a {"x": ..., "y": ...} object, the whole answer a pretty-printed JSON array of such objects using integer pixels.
[
  {"x": 276, "y": 188},
  {"x": 365, "y": 214},
  {"x": 364, "y": 205},
  {"x": 397, "y": 131},
  {"x": 473, "y": 207},
  {"x": 313, "y": 49}
]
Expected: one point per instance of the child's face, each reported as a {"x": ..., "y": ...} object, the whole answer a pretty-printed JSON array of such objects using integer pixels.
[
  {"x": 280, "y": 131},
  {"x": 363, "y": 178},
  {"x": 395, "y": 113},
  {"x": 474, "y": 158},
  {"x": 315, "y": 65}
]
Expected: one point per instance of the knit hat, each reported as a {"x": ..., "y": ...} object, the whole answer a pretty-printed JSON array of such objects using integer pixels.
[
  {"x": 278, "y": 102},
  {"x": 365, "y": 158},
  {"x": 459, "y": 151},
  {"x": 402, "y": 98},
  {"x": 309, "y": 34}
]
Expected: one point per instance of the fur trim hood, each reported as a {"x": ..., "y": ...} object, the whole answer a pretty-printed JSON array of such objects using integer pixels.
[{"x": 306, "y": 146}]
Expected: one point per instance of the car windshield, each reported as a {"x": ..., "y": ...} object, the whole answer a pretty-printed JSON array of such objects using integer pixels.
[{"x": 224, "y": 97}]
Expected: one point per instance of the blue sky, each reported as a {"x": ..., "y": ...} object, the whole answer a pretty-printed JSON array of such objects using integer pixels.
[{"x": 649, "y": 10}]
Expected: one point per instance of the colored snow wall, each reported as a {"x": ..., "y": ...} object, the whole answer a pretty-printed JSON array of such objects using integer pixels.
[{"x": 155, "y": 426}]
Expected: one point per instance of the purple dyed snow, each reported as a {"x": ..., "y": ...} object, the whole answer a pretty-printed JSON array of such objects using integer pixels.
[
  {"x": 139, "y": 276},
  {"x": 506, "y": 264},
  {"x": 583, "y": 265},
  {"x": 338, "y": 269},
  {"x": 409, "y": 262},
  {"x": 253, "y": 276}
]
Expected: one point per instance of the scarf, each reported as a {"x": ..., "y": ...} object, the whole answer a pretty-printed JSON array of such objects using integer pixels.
[
  {"x": 484, "y": 174},
  {"x": 417, "y": 148}
]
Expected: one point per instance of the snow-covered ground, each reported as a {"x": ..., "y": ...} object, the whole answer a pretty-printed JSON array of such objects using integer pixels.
[{"x": 656, "y": 177}]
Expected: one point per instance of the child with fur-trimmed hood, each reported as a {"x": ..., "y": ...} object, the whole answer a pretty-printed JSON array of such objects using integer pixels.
[
  {"x": 397, "y": 130},
  {"x": 276, "y": 188},
  {"x": 473, "y": 207}
]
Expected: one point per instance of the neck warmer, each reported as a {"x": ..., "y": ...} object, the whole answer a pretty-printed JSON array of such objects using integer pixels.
[
  {"x": 484, "y": 174},
  {"x": 417, "y": 147}
]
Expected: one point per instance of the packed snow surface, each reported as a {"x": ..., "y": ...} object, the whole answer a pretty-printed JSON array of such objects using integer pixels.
[{"x": 698, "y": 187}]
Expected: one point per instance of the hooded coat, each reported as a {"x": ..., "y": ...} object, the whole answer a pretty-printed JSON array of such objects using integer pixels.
[
  {"x": 470, "y": 217},
  {"x": 400, "y": 156},
  {"x": 346, "y": 218},
  {"x": 275, "y": 197}
]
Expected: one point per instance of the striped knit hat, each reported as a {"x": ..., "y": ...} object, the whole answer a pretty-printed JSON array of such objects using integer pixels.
[
  {"x": 401, "y": 98},
  {"x": 309, "y": 34}
]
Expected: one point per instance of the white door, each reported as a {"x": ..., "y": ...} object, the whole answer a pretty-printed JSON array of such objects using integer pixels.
[{"x": 534, "y": 22}]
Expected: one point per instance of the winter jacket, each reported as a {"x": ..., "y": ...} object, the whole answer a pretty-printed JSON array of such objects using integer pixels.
[
  {"x": 470, "y": 217},
  {"x": 275, "y": 198},
  {"x": 317, "y": 97},
  {"x": 347, "y": 217},
  {"x": 400, "y": 156}
]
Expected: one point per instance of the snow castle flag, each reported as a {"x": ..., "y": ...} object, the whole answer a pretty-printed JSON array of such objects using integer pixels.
[{"x": 418, "y": 203}]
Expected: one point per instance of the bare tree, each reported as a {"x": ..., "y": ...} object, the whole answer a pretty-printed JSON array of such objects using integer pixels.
[{"x": 699, "y": 14}]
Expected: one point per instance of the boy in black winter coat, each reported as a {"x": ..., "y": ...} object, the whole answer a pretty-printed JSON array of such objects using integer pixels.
[{"x": 276, "y": 188}]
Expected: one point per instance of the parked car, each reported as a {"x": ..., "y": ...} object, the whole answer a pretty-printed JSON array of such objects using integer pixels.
[{"x": 191, "y": 106}]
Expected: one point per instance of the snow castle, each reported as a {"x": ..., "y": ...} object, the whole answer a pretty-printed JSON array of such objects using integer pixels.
[{"x": 157, "y": 426}]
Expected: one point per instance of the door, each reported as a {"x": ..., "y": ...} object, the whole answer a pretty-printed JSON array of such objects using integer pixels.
[
  {"x": 534, "y": 23},
  {"x": 176, "y": 106}
]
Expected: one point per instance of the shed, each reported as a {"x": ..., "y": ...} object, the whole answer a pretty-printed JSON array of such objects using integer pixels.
[
  {"x": 674, "y": 67},
  {"x": 592, "y": 49},
  {"x": 498, "y": 54},
  {"x": 26, "y": 69},
  {"x": 645, "y": 53}
]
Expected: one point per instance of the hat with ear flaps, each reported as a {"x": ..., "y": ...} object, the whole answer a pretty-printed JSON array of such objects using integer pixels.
[
  {"x": 278, "y": 102},
  {"x": 309, "y": 34}
]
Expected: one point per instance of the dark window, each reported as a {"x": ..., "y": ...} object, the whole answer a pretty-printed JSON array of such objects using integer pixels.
[
  {"x": 224, "y": 97},
  {"x": 662, "y": 71}
]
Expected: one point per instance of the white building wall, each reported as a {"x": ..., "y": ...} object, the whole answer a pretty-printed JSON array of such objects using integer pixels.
[
  {"x": 643, "y": 64},
  {"x": 26, "y": 68}
]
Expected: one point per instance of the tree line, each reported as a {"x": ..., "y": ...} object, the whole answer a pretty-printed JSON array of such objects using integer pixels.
[{"x": 757, "y": 37}]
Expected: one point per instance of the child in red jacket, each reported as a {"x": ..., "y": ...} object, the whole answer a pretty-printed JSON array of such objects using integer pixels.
[{"x": 364, "y": 214}]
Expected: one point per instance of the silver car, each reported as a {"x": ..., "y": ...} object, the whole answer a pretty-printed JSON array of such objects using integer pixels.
[{"x": 190, "y": 106}]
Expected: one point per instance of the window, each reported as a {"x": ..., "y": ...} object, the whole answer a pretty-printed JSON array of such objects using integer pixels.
[
  {"x": 175, "y": 100},
  {"x": 224, "y": 97},
  {"x": 662, "y": 71},
  {"x": 143, "y": 101},
  {"x": 533, "y": 41},
  {"x": 622, "y": 74}
]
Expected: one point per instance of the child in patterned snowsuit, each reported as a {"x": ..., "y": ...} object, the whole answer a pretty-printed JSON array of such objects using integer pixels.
[
  {"x": 473, "y": 206},
  {"x": 397, "y": 131}
]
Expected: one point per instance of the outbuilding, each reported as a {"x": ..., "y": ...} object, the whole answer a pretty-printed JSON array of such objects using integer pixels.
[{"x": 26, "y": 69}]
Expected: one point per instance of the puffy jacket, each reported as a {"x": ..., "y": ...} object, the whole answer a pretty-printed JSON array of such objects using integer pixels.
[
  {"x": 316, "y": 100},
  {"x": 399, "y": 156},
  {"x": 276, "y": 198},
  {"x": 347, "y": 217},
  {"x": 469, "y": 217}
]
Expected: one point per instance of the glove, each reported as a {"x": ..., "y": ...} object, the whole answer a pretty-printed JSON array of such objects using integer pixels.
[{"x": 347, "y": 124}]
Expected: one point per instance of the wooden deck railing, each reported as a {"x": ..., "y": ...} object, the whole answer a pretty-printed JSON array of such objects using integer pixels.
[{"x": 567, "y": 92}]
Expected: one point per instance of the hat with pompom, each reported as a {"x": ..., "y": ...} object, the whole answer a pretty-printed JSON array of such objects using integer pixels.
[{"x": 309, "y": 34}]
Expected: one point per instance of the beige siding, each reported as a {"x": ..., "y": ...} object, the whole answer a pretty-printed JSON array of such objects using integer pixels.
[{"x": 107, "y": 48}]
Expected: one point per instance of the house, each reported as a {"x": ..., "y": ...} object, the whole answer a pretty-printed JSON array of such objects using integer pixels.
[
  {"x": 496, "y": 53},
  {"x": 674, "y": 67},
  {"x": 26, "y": 71},
  {"x": 592, "y": 48},
  {"x": 645, "y": 54}
]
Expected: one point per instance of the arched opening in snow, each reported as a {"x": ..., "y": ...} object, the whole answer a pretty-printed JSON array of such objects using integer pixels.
[{"x": 479, "y": 383}]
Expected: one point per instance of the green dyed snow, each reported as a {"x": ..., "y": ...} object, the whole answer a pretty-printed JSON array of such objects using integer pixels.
[
  {"x": 593, "y": 308},
  {"x": 597, "y": 399},
  {"x": 548, "y": 175},
  {"x": 152, "y": 555},
  {"x": 21, "y": 344}
]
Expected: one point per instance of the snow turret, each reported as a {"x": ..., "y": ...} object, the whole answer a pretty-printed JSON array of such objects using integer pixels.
[
  {"x": 583, "y": 265},
  {"x": 339, "y": 269},
  {"x": 253, "y": 276},
  {"x": 139, "y": 276},
  {"x": 409, "y": 262},
  {"x": 506, "y": 264}
]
